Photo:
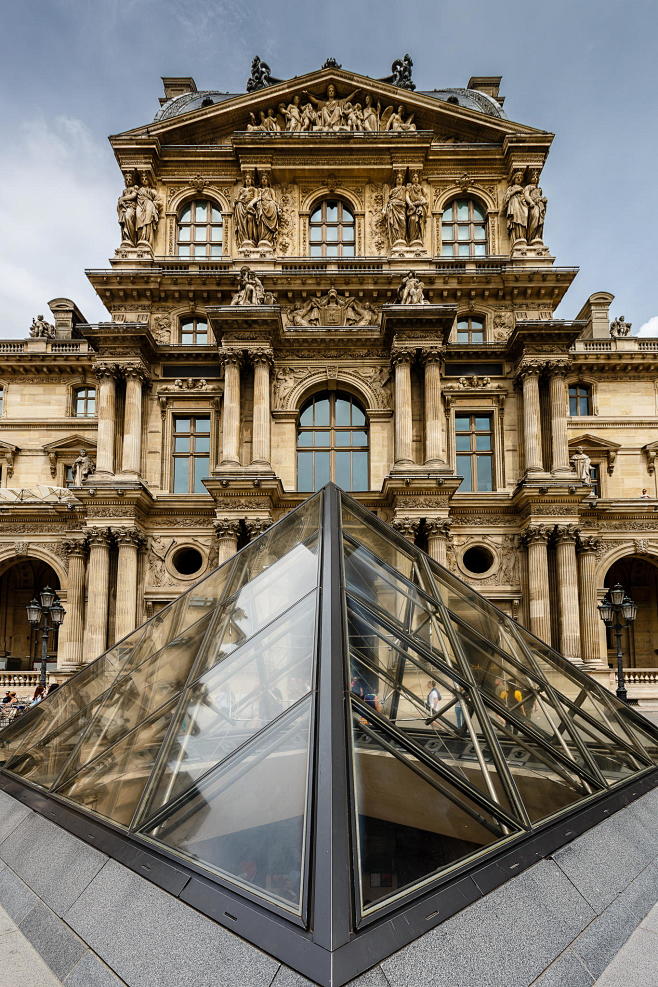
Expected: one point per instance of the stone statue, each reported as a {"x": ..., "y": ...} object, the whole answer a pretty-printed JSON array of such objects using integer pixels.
[
  {"x": 244, "y": 213},
  {"x": 158, "y": 549},
  {"x": 401, "y": 69},
  {"x": 371, "y": 114},
  {"x": 269, "y": 122},
  {"x": 536, "y": 202},
  {"x": 267, "y": 214},
  {"x": 309, "y": 117},
  {"x": 293, "y": 115},
  {"x": 149, "y": 205},
  {"x": 582, "y": 464},
  {"x": 127, "y": 209},
  {"x": 411, "y": 290},
  {"x": 417, "y": 206},
  {"x": 620, "y": 328},
  {"x": 396, "y": 121},
  {"x": 260, "y": 75},
  {"x": 517, "y": 208},
  {"x": 40, "y": 329},
  {"x": 83, "y": 467},
  {"x": 330, "y": 110},
  {"x": 394, "y": 211},
  {"x": 251, "y": 290}
]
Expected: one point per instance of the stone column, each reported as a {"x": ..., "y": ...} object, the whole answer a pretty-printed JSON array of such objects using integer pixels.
[
  {"x": 131, "y": 461},
  {"x": 260, "y": 442},
  {"x": 226, "y": 530},
  {"x": 76, "y": 551},
  {"x": 529, "y": 375},
  {"x": 408, "y": 527},
  {"x": 98, "y": 587},
  {"x": 567, "y": 589},
  {"x": 129, "y": 540},
  {"x": 106, "y": 374},
  {"x": 401, "y": 360},
  {"x": 589, "y": 549},
  {"x": 535, "y": 538},
  {"x": 558, "y": 402},
  {"x": 434, "y": 416},
  {"x": 231, "y": 421},
  {"x": 438, "y": 536}
]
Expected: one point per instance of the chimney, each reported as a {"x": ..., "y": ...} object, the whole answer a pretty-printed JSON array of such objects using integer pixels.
[
  {"x": 176, "y": 86},
  {"x": 488, "y": 84}
]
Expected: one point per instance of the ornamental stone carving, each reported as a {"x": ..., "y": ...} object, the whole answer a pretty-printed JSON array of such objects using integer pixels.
[
  {"x": 40, "y": 329},
  {"x": 256, "y": 526},
  {"x": 411, "y": 290},
  {"x": 158, "y": 549},
  {"x": 285, "y": 381},
  {"x": 438, "y": 527},
  {"x": 332, "y": 114},
  {"x": 565, "y": 533},
  {"x": 129, "y": 536},
  {"x": 83, "y": 467},
  {"x": 619, "y": 328},
  {"x": 474, "y": 381},
  {"x": 226, "y": 527},
  {"x": 99, "y": 537},
  {"x": 407, "y": 526},
  {"x": 74, "y": 546},
  {"x": 139, "y": 208},
  {"x": 590, "y": 543},
  {"x": 536, "y": 533},
  {"x": 190, "y": 383},
  {"x": 251, "y": 290},
  {"x": 332, "y": 309},
  {"x": 161, "y": 329}
]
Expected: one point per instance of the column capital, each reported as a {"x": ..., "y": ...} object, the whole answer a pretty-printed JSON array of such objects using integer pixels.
[
  {"x": 589, "y": 544},
  {"x": 75, "y": 546},
  {"x": 102, "y": 537},
  {"x": 137, "y": 369},
  {"x": 261, "y": 354},
  {"x": 535, "y": 533},
  {"x": 407, "y": 526},
  {"x": 257, "y": 525},
  {"x": 226, "y": 527},
  {"x": 565, "y": 534},
  {"x": 529, "y": 368},
  {"x": 558, "y": 368},
  {"x": 432, "y": 353},
  {"x": 403, "y": 354},
  {"x": 129, "y": 536},
  {"x": 105, "y": 369},
  {"x": 232, "y": 358},
  {"x": 438, "y": 527}
]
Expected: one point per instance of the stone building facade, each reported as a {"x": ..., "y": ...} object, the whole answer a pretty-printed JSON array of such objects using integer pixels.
[{"x": 332, "y": 277}]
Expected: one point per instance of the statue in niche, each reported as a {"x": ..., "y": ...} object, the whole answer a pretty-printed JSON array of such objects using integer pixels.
[
  {"x": 411, "y": 290},
  {"x": 148, "y": 209},
  {"x": 251, "y": 290},
  {"x": 396, "y": 121},
  {"x": 83, "y": 467},
  {"x": 417, "y": 206},
  {"x": 330, "y": 110},
  {"x": 244, "y": 213},
  {"x": 371, "y": 114},
  {"x": 395, "y": 211},
  {"x": 536, "y": 202},
  {"x": 516, "y": 208},
  {"x": 582, "y": 464},
  {"x": 619, "y": 328},
  {"x": 127, "y": 209},
  {"x": 293, "y": 115},
  {"x": 40, "y": 329},
  {"x": 267, "y": 214}
]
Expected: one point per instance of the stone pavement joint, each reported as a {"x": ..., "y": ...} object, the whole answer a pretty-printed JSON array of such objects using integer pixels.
[{"x": 636, "y": 963}]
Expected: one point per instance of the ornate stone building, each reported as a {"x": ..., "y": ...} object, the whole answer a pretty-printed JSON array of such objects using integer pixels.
[{"x": 331, "y": 278}]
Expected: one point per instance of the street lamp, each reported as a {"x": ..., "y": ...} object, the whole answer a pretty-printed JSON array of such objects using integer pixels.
[
  {"x": 46, "y": 613},
  {"x": 616, "y": 604}
]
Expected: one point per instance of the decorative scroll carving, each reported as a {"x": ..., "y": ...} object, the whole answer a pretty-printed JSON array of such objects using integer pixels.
[
  {"x": 332, "y": 309},
  {"x": 474, "y": 381}
]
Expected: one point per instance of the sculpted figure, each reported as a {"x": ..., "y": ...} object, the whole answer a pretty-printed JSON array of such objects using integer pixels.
[
  {"x": 355, "y": 118},
  {"x": 371, "y": 115},
  {"x": 619, "y": 327},
  {"x": 309, "y": 117},
  {"x": 417, "y": 206},
  {"x": 244, "y": 212},
  {"x": 394, "y": 211},
  {"x": 83, "y": 466},
  {"x": 251, "y": 290},
  {"x": 401, "y": 69},
  {"x": 517, "y": 208},
  {"x": 330, "y": 110},
  {"x": 269, "y": 121},
  {"x": 267, "y": 213},
  {"x": 411, "y": 290},
  {"x": 40, "y": 329},
  {"x": 126, "y": 210},
  {"x": 396, "y": 121},
  {"x": 148, "y": 211},
  {"x": 293, "y": 115},
  {"x": 582, "y": 465},
  {"x": 252, "y": 124},
  {"x": 359, "y": 313},
  {"x": 536, "y": 202}
]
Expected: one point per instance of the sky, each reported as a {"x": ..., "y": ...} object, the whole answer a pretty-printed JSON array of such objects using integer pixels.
[{"x": 74, "y": 71}]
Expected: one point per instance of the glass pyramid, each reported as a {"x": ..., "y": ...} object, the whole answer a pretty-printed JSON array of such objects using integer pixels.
[{"x": 331, "y": 729}]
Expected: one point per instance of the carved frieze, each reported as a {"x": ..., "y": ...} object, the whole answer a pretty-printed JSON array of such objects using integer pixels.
[{"x": 331, "y": 309}]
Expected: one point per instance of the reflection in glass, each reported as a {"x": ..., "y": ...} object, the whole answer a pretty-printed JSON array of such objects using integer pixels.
[{"x": 246, "y": 820}]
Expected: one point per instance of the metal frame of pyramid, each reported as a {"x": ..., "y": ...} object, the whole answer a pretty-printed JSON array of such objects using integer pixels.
[{"x": 262, "y": 748}]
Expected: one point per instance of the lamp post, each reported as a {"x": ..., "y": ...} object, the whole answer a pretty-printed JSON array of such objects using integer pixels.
[
  {"x": 616, "y": 604},
  {"x": 45, "y": 614}
]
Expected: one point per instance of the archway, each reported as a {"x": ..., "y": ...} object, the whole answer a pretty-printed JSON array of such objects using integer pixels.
[
  {"x": 20, "y": 644},
  {"x": 639, "y": 577}
]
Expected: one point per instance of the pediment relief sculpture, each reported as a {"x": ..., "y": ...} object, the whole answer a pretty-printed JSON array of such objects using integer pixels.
[
  {"x": 332, "y": 309},
  {"x": 332, "y": 114}
]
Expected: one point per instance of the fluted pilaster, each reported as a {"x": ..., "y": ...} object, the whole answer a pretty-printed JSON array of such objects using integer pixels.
[
  {"x": 129, "y": 540},
  {"x": 567, "y": 587},
  {"x": 529, "y": 376},
  {"x": 558, "y": 400},
  {"x": 434, "y": 416},
  {"x": 262, "y": 361},
  {"x": 401, "y": 360},
  {"x": 231, "y": 422},
  {"x": 98, "y": 586},
  {"x": 107, "y": 400},
  {"x": 536, "y": 538},
  {"x": 70, "y": 650},
  {"x": 132, "y": 421},
  {"x": 588, "y": 549},
  {"x": 438, "y": 536}
]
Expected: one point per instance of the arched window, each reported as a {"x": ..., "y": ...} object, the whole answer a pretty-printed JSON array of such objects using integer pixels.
[
  {"x": 464, "y": 229},
  {"x": 580, "y": 399},
  {"x": 470, "y": 329},
  {"x": 193, "y": 331},
  {"x": 200, "y": 230},
  {"x": 332, "y": 443},
  {"x": 84, "y": 402},
  {"x": 332, "y": 230}
]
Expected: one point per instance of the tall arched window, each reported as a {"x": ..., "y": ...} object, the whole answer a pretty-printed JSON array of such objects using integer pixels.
[
  {"x": 332, "y": 443},
  {"x": 332, "y": 230},
  {"x": 200, "y": 230},
  {"x": 464, "y": 229}
]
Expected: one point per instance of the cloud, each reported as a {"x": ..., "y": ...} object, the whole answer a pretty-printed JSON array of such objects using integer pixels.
[
  {"x": 57, "y": 200},
  {"x": 650, "y": 328}
]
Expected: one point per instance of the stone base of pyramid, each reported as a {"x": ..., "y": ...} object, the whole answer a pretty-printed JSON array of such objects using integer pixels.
[{"x": 98, "y": 923}]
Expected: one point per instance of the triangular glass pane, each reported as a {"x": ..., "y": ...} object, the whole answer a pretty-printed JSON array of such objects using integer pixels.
[
  {"x": 246, "y": 820},
  {"x": 134, "y": 697},
  {"x": 388, "y": 548},
  {"x": 112, "y": 784},
  {"x": 236, "y": 698},
  {"x": 411, "y": 823},
  {"x": 614, "y": 762},
  {"x": 432, "y": 708},
  {"x": 645, "y": 734}
]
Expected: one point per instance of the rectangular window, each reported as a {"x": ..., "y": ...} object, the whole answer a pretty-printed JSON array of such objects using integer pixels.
[
  {"x": 580, "y": 400},
  {"x": 191, "y": 454},
  {"x": 595, "y": 476},
  {"x": 84, "y": 402},
  {"x": 474, "y": 451}
]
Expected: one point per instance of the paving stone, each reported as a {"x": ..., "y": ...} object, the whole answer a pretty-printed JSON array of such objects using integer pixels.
[
  {"x": 15, "y": 896},
  {"x": 636, "y": 964},
  {"x": 567, "y": 971},
  {"x": 12, "y": 814},
  {"x": 513, "y": 934},
  {"x": 150, "y": 938},
  {"x": 55, "y": 864},
  {"x": 91, "y": 972},
  {"x": 651, "y": 920},
  {"x": 286, "y": 977},
  {"x": 58, "y": 946}
]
